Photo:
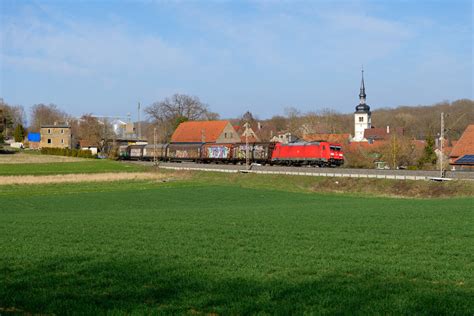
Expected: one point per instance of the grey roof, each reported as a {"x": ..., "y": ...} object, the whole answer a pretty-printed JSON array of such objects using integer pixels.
[
  {"x": 362, "y": 108},
  {"x": 55, "y": 126}
]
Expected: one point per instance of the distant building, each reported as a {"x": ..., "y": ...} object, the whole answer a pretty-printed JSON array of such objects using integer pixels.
[
  {"x": 120, "y": 127},
  {"x": 87, "y": 145},
  {"x": 205, "y": 132},
  {"x": 377, "y": 134},
  {"x": 55, "y": 136},
  {"x": 332, "y": 138},
  {"x": 249, "y": 134},
  {"x": 34, "y": 140},
  {"x": 284, "y": 138},
  {"x": 362, "y": 115},
  {"x": 462, "y": 154}
]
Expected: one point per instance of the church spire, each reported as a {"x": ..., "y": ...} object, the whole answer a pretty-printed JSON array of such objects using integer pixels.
[{"x": 362, "y": 94}]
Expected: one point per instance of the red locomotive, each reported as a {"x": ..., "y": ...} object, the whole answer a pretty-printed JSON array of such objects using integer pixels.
[{"x": 316, "y": 153}]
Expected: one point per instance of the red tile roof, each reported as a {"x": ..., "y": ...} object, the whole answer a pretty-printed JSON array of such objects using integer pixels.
[
  {"x": 465, "y": 144},
  {"x": 195, "y": 131},
  {"x": 381, "y": 133},
  {"x": 332, "y": 138},
  {"x": 364, "y": 145},
  {"x": 87, "y": 143}
]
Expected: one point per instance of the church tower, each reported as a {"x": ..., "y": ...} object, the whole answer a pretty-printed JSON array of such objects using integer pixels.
[{"x": 362, "y": 115}]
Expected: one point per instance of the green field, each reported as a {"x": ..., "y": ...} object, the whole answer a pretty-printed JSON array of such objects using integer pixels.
[
  {"x": 86, "y": 166},
  {"x": 193, "y": 246}
]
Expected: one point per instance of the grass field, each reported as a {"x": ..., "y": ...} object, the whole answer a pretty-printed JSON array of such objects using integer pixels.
[
  {"x": 82, "y": 166},
  {"x": 208, "y": 246}
]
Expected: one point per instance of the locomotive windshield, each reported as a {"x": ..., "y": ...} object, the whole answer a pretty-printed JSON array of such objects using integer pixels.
[{"x": 335, "y": 148}]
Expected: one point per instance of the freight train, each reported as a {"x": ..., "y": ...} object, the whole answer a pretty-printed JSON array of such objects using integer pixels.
[{"x": 322, "y": 154}]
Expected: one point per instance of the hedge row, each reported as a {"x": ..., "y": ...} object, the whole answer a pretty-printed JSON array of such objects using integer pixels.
[{"x": 68, "y": 152}]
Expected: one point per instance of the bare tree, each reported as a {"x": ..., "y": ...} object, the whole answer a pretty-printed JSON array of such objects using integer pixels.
[
  {"x": 179, "y": 105},
  {"x": 170, "y": 112},
  {"x": 93, "y": 131},
  {"x": 42, "y": 114}
]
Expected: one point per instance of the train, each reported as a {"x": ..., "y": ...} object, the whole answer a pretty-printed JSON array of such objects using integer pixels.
[{"x": 321, "y": 154}]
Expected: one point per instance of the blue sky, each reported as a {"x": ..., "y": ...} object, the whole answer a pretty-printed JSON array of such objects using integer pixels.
[{"x": 103, "y": 57}]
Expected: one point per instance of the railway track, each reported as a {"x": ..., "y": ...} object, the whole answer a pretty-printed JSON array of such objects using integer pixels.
[{"x": 312, "y": 171}]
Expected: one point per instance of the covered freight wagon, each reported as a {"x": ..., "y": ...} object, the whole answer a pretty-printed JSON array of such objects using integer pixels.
[
  {"x": 135, "y": 151},
  {"x": 258, "y": 152},
  {"x": 187, "y": 152},
  {"x": 216, "y": 152},
  {"x": 152, "y": 151}
]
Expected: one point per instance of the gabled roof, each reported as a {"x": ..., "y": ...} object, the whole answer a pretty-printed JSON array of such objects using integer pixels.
[
  {"x": 87, "y": 143},
  {"x": 465, "y": 144},
  {"x": 381, "y": 133},
  {"x": 332, "y": 138},
  {"x": 197, "y": 131}
]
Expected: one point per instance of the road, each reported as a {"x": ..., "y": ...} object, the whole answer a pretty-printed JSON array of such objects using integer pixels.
[{"x": 314, "y": 171}]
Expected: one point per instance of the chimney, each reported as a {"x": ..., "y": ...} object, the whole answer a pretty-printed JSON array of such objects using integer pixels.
[{"x": 388, "y": 129}]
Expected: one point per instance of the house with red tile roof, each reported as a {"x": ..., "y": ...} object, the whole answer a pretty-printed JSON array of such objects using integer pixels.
[
  {"x": 205, "y": 132},
  {"x": 377, "y": 133},
  {"x": 332, "y": 138},
  {"x": 464, "y": 146}
]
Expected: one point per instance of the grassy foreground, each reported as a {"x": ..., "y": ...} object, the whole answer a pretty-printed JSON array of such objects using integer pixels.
[
  {"x": 197, "y": 246},
  {"x": 83, "y": 166}
]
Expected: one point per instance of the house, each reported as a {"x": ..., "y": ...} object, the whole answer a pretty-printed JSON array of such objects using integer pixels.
[
  {"x": 376, "y": 134},
  {"x": 249, "y": 134},
  {"x": 331, "y": 138},
  {"x": 284, "y": 138},
  {"x": 87, "y": 145},
  {"x": 463, "y": 150},
  {"x": 34, "y": 140},
  {"x": 205, "y": 132},
  {"x": 55, "y": 136}
]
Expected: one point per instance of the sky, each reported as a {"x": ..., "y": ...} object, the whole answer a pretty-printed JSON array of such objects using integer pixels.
[{"x": 104, "y": 56}]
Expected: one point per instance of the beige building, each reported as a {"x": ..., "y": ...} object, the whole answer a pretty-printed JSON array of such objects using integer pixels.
[{"x": 55, "y": 136}]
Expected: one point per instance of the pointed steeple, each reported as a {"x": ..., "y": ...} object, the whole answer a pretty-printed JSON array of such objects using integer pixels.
[
  {"x": 362, "y": 107},
  {"x": 362, "y": 94}
]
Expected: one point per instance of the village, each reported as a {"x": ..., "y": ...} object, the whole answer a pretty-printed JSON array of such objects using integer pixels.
[
  {"x": 246, "y": 157},
  {"x": 368, "y": 146}
]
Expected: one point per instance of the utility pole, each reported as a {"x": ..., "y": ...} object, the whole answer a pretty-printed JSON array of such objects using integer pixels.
[
  {"x": 139, "y": 123},
  {"x": 441, "y": 138},
  {"x": 155, "y": 160},
  {"x": 247, "y": 151}
]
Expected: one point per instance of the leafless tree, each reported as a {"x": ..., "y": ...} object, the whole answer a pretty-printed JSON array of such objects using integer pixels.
[
  {"x": 170, "y": 112},
  {"x": 94, "y": 131},
  {"x": 42, "y": 114},
  {"x": 178, "y": 106}
]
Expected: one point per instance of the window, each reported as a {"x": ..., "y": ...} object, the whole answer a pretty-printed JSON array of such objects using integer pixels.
[
  {"x": 49, "y": 140},
  {"x": 49, "y": 131},
  {"x": 62, "y": 131},
  {"x": 225, "y": 135},
  {"x": 62, "y": 141},
  {"x": 324, "y": 147},
  {"x": 361, "y": 118}
]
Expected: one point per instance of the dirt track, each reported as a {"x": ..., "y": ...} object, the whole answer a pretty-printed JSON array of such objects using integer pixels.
[{"x": 74, "y": 178}]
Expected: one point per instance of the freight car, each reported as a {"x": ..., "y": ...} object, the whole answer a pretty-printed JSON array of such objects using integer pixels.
[{"x": 312, "y": 154}]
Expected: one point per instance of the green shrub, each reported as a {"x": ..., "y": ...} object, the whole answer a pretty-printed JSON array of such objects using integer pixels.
[{"x": 67, "y": 152}]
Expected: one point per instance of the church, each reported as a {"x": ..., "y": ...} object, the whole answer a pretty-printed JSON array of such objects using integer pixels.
[{"x": 362, "y": 115}]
